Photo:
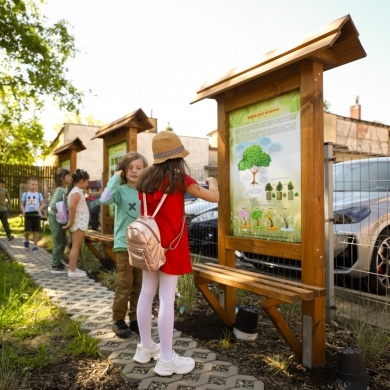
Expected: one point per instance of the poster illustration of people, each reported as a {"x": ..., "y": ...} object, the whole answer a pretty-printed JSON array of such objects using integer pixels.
[{"x": 265, "y": 147}]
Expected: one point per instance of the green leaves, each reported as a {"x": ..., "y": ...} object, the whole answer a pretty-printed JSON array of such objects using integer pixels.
[{"x": 33, "y": 55}]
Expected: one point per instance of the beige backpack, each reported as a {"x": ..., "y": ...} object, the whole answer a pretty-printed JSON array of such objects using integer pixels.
[{"x": 144, "y": 242}]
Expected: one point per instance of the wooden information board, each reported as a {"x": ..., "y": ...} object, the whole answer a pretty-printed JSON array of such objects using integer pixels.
[{"x": 271, "y": 135}]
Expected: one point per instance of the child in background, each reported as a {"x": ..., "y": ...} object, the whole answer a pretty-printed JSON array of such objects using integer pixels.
[
  {"x": 62, "y": 179},
  {"x": 32, "y": 205},
  {"x": 121, "y": 191},
  {"x": 167, "y": 175},
  {"x": 78, "y": 219},
  {"x": 5, "y": 206}
]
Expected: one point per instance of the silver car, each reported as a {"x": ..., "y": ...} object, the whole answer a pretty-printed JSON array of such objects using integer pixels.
[{"x": 361, "y": 220}]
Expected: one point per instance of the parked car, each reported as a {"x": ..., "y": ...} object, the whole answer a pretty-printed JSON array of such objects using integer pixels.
[
  {"x": 361, "y": 237},
  {"x": 203, "y": 232},
  {"x": 189, "y": 198}
]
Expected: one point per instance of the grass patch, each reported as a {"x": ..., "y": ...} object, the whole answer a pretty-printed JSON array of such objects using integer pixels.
[
  {"x": 33, "y": 331},
  {"x": 17, "y": 229}
]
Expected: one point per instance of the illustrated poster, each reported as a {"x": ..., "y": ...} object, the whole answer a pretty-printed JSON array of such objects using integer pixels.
[
  {"x": 266, "y": 170},
  {"x": 66, "y": 164},
  {"x": 115, "y": 155}
]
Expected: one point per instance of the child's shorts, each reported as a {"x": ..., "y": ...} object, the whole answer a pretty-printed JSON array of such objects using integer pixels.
[
  {"x": 81, "y": 221},
  {"x": 32, "y": 224}
]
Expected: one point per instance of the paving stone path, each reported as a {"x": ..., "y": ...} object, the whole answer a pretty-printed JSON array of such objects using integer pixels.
[{"x": 89, "y": 303}]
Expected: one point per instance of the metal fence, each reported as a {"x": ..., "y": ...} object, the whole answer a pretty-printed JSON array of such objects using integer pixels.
[{"x": 357, "y": 233}]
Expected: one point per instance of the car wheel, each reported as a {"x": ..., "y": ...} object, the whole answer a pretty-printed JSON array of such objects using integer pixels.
[{"x": 380, "y": 265}]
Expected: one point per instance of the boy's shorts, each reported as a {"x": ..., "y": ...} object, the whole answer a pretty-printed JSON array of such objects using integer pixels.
[{"x": 32, "y": 224}]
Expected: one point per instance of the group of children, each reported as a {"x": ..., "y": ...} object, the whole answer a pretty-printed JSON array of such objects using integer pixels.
[{"x": 135, "y": 289}]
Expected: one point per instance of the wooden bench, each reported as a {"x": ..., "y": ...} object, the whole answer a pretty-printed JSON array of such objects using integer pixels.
[
  {"x": 273, "y": 291},
  {"x": 107, "y": 240}
]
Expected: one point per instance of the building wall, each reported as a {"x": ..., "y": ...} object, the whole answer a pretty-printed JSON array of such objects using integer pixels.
[
  {"x": 198, "y": 159},
  {"x": 356, "y": 134},
  {"x": 90, "y": 159}
]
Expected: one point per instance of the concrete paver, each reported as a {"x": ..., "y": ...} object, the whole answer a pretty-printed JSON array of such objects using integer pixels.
[{"x": 90, "y": 303}]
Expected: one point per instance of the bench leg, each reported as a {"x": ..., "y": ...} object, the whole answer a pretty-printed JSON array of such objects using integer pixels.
[
  {"x": 212, "y": 300},
  {"x": 281, "y": 325},
  {"x": 108, "y": 251},
  {"x": 93, "y": 249}
]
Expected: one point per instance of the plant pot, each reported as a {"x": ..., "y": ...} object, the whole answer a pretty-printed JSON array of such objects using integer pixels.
[
  {"x": 245, "y": 327},
  {"x": 351, "y": 370}
]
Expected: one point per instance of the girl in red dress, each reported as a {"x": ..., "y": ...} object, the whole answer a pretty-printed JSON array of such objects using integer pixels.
[{"x": 167, "y": 175}]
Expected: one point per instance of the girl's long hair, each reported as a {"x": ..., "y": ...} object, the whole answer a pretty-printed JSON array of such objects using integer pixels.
[
  {"x": 59, "y": 175},
  {"x": 125, "y": 162},
  {"x": 168, "y": 176}
]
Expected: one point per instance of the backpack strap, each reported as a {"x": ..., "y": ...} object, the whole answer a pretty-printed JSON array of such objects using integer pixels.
[
  {"x": 178, "y": 237},
  {"x": 157, "y": 208}
]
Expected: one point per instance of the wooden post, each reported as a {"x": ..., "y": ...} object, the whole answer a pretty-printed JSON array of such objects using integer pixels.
[{"x": 313, "y": 220}]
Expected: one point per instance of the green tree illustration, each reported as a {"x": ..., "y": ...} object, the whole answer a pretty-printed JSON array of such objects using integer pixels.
[
  {"x": 253, "y": 159},
  {"x": 257, "y": 214}
]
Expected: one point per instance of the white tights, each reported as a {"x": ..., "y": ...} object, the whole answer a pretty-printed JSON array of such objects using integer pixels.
[{"x": 166, "y": 310}]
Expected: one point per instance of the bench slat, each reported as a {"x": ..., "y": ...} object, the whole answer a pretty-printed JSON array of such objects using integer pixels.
[
  {"x": 317, "y": 291},
  {"x": 92, "y": 235},
  {"x": 304, "y": 294}
]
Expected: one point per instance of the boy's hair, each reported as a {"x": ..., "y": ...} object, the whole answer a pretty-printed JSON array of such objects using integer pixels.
[
  {"x": 59, "y": 175},
  {"x": 2, "y": 180},
  {"x": 77, "y": 175},
  {"x": 168, "y": 176},
  {"x": 125, "y": 162},
  {"x": 32, "y": 178}
]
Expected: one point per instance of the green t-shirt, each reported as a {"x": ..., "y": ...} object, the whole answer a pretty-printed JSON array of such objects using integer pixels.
[{"x": 127, "y": 208}]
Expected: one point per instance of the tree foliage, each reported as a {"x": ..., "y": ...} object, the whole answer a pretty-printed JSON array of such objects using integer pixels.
[
  {"x": 33, "y": 55},
  {"x": 253, "y": 159}
]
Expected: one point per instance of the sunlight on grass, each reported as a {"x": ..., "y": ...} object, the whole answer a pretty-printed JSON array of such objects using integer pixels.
[
  {"x": 278, "y": 364},
  {"x": 33, "y": 331},
  {"x": 227, "y": 335},
  {"x": 15, "y": 225}
]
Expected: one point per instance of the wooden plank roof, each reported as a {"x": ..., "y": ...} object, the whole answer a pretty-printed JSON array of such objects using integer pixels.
[
  {"x": 76, "y": 144},
  {"x": 137, "y": 119},
  {"x": 334, "y": 45}
]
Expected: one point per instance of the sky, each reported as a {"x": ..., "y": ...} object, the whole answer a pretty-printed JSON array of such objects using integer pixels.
[{"x": 156, "y": 54}]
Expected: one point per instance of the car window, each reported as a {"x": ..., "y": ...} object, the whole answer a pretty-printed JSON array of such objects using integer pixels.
[{"x": 361, "y": 175}]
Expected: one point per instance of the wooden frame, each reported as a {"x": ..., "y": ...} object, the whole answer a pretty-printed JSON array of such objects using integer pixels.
[
  {"x": 299, "y": 68},
  {"x": 68, "y": 151}
]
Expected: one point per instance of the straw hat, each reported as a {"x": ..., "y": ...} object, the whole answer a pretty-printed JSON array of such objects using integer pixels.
[{"x": 167, "y": 145}]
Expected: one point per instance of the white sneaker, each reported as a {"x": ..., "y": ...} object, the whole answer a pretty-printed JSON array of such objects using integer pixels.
[
  {"x": 177, "y": 365},
  {"x": 77, "y": 273},
  {"x": 143, "y": 355}
]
